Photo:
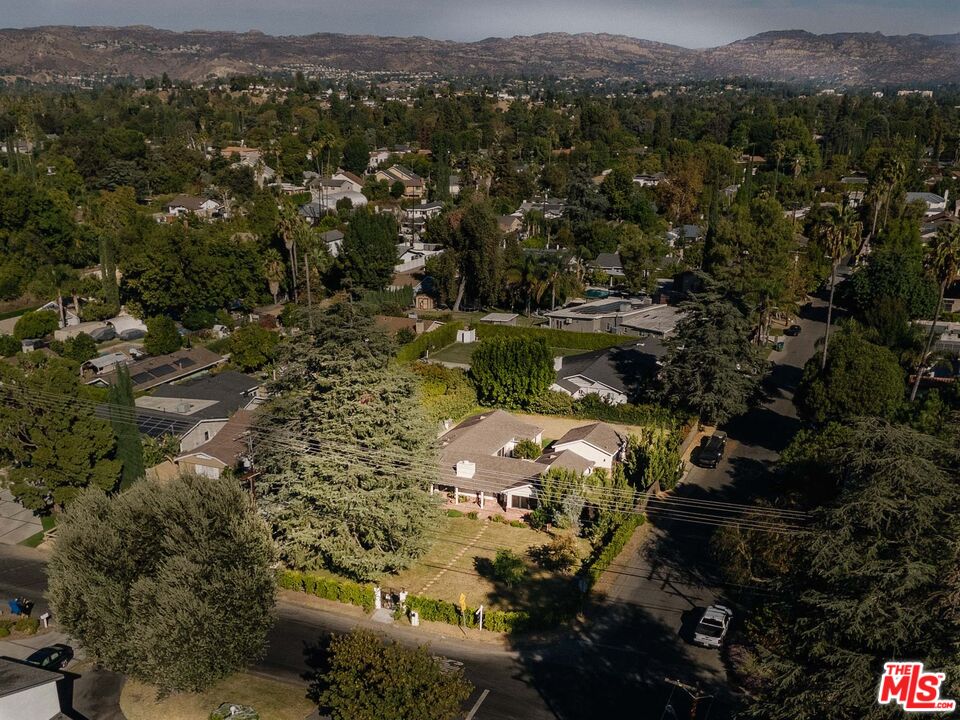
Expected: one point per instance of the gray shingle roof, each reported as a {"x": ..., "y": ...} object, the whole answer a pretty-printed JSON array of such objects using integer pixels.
[
  {"x": 621, "y": 368},
  {"x": 600, "y": 435}
]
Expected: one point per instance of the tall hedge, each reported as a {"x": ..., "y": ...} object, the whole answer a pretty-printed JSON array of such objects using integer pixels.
[
  {"x": 553, "y": 338},
  {"x": 431, "y": 341},
  {"x": 511, "y": 371}
]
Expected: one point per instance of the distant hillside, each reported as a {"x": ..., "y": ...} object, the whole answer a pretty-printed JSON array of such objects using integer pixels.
[{"x": 47, "y": 53}]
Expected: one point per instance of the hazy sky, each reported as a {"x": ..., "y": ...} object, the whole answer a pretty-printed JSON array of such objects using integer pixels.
[{"x": 692, "y": 23}]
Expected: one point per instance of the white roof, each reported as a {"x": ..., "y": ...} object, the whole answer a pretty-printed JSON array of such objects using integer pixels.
[
  {"x": 122, "y": 323},
  {"x": 104, "y": 362},
  {"x": 499, "y": 317}
]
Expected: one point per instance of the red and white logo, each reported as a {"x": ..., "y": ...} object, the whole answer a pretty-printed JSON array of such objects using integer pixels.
[{"x": 906, "y": 683}]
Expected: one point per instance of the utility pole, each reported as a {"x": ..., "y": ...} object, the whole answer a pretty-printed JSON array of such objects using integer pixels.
[{"x": 693, "y": 692}]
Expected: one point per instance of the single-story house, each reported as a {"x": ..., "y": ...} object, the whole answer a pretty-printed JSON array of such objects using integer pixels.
[
  {"x": 599, "y": 443},
  {"x": 28, "y": 692},
  {"x": 413, "y": 256},
  {"x": 500, "y": 319},
  {"x": 106, "y": 363},
  {"x": 934, "y": 203},
  {"x": 355, "y": 183},
  {"x": 552, "y": 208},
  {"x": 509, "y": 224},
  {"x": 609, "y": 263},
  {"x": 477, "y": 461},
  {"x": 621, "y": 316},
  {"x": 53, "y": 306},
  {"x": 71, "y": 331},
  {"x": 224, "y": 451},
  {"x": 333, "y": 239},
  {"x": 186, "y": 204},
  {"x": 649, "y": 180},
  {"x": 164, "y": 369},
  {"x": 615, "y": 374}
]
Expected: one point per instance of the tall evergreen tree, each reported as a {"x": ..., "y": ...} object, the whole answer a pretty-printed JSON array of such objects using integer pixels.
[
  {"x": 875, "y": 580},
  {"x": 359, "y": 505},
  {"x": 122, "y": 419}
]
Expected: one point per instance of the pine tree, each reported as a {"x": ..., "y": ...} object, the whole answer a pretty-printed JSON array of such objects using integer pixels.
[
  {"x": 358, "y": 506},
  {"x": 122, "y": 419}
]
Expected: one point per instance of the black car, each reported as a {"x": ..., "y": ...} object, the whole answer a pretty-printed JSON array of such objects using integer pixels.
[
  {"x": 711, "y": 450},
  {"x": 792, "y": 331},
  {"x": 54, "y": 657}
]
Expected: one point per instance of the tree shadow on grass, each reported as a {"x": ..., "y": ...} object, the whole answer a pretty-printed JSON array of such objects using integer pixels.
[{"x": 539, "y": 591}]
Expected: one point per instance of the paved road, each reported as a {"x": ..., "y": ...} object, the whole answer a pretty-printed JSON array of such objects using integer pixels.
[
  {"x": 657, "y": 588},
  {"x": 615, "y": 662}
]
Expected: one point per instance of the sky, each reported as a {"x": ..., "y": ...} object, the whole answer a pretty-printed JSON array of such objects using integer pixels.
[{"x": 690, "y": 23}]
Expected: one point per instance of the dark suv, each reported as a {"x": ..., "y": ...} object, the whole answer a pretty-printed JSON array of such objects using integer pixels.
[{"x": 711, "y": 450}]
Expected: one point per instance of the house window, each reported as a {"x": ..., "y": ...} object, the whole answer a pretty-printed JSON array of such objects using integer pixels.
[{"x": 521, "y": 502}]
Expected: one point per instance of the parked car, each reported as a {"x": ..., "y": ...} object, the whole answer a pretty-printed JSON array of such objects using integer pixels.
[
  {"x": 711, "y": 451},
  {"x": 713, "y": 626},
  {"x": 792, "y": 331},
  {"x": 54, "y": 657}
]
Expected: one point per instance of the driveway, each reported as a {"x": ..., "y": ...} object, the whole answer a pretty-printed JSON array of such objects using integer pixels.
[{"x": 16, "y": 522}]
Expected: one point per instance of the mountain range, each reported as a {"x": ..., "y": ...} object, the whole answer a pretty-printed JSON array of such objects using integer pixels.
[{"x": 53, "y": 53}]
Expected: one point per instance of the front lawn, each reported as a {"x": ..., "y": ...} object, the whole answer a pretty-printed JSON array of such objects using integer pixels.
[
  {"x": 273, "y": 700},
  {"x": 462, "y": 556}
]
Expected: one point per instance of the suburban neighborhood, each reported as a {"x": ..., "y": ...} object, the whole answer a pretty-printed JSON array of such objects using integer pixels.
[{"x": 330, "y": 392}]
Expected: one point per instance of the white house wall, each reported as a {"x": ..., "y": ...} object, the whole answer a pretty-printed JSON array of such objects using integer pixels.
[
  {"x": 585, "y": 450},
  {"x": 40, "y": 702}
]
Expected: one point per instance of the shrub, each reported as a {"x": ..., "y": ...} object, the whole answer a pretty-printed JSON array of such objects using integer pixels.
[
  {"x": 559, "y": 554},
  {"x": 527, "y": 450},
  {"x": 454, "y": 513},
  {"x": 553, "y": 402},
  {"x": 509, "y": 568},
  {"x": 404, "y": 336},
  {"x": 9, "y": 345},
  {"x": 4, "y": 631},
  {"x": 517, "y": 523},
  {"x": 36, "y": 324},
  {"x": 98, "y": 310},
  {"x": 444, "y": 392},
  {"x": 434, "y": 340},
  {"x": 499, "y": 518},
  {"x": 616, "y": 541},
  {"x": 81, "y": 348},
  {"x": 199, "y": 319},
  {"x": 344, "y": 591},
  {"x": 27, "y": 625},
  {"x": 553, "y": 338},
  {"x": 473, "y": 515}
]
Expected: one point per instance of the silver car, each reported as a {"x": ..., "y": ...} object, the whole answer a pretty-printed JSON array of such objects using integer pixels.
[{"x": 713, "y": 626}]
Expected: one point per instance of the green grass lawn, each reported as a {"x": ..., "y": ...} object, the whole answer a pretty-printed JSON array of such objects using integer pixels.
[{"x": 464, "y": 561}]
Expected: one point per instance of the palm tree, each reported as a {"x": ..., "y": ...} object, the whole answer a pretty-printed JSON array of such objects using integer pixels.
[
  {"x": 527, "y": 277},
  {"x": 943, "y": 261},
  {"x": 558, "y": 278},
  {"x": 274, "y": 271},
  {"x": 290, "y": 221},
  {"x": 779, "y": 151},
  {"x": 840, "y": 234}
]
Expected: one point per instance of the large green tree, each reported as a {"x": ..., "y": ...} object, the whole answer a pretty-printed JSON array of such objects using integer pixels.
[
  {"x": 123, "y": 419},
  {"x": 162, "y": 336},
  {"x": 641, "y": 253},
  {"x": 511, "y": 371},
  {"x": 357, "y": 502},
  {"x": 35, "y": 324},
  {"x": 860, "y": 378},
  {"x": 711, "y": 367},
  {"x": 874, "y": 580},
  {"x": 49, "y": 431},
  {"x": 369, "y": 680},
  {"x": 167, "y": 583},
  {"x": 369, "y": 251}
]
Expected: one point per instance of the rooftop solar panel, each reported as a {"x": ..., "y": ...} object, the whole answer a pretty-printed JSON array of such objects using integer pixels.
[
  {"x": 142, "y": 378},
  {"x": 186, "y": 362},
  {"x": 161, "y": 370}
]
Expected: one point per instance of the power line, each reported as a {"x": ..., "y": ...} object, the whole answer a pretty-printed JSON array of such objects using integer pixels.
[{"x": 611, "y": 499}]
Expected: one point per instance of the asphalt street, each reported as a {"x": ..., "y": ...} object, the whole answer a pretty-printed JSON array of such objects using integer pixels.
[{"x": 615, "y": 662}]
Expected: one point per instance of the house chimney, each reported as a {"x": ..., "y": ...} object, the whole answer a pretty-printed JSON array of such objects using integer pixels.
[{"x": 466, "y": 469}]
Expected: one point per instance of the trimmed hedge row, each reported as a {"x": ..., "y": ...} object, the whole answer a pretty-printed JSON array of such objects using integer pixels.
[
  {"x": 612, "y": 547},
  {"x": 435, "y": 340},
  {"x": 553, "y": 338},
  {"x": 343, "y": 591},
  {"x": 448, "y": 612}
]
